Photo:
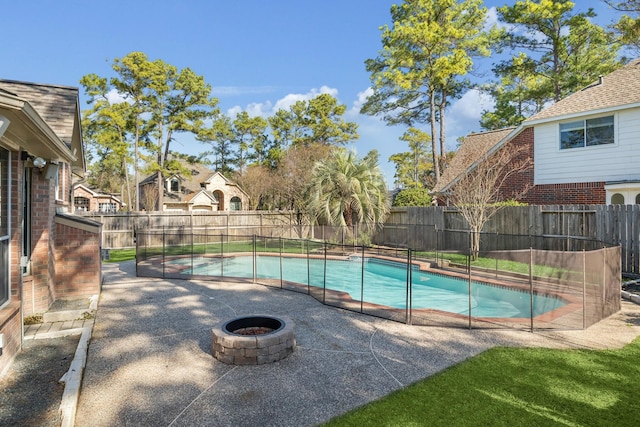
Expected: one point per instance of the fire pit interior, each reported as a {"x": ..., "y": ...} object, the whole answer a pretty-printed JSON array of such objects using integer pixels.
[
  {"x": 255, "y": 325},
  {"x": 253, "y": 340}
]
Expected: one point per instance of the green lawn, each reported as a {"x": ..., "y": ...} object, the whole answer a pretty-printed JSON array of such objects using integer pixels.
[
  {"x": 518, "y": 387},
  {"x": 262, "y": 245},
  {"x": 500, "y": 265}
]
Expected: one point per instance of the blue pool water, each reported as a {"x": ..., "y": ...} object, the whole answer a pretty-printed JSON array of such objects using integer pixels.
[{"x": 385, "y": 283}]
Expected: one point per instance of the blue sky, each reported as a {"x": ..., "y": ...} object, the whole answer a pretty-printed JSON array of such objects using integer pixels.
[{"x": 258, "y": 55}]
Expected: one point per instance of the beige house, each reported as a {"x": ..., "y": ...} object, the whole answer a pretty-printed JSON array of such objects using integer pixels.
[
  {"x": 204, "y": 190},
  {"x": 87, "y": 200}
]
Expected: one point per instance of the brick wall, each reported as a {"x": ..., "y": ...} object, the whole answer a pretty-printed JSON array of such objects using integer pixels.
[
  {"x": 11, "y": 327},
  {"x": 579, "y": 193},
  {"x": 587, "y": 193},
  {"x": 78, "y": 268},
  {"x": 41, "y": 294}
]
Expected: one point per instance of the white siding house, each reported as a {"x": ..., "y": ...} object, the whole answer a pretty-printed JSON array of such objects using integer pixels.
[{"x": 585, "y": 147}]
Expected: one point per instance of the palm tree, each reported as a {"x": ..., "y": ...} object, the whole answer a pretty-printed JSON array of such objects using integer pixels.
[{"x": 345, "y": 190}]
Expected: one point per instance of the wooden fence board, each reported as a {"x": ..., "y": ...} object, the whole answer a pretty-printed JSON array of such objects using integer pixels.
[{"x": 407, "y": 227}]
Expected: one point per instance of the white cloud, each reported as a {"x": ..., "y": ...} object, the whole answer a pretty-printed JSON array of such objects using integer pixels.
[
  {"x": 115, "y": 97},
  {"x": 267, "y": 108},
  {"x": 359, "y": 102},
  {"x": 464, "y": 115},
  {"x": 492, "y": 19}
]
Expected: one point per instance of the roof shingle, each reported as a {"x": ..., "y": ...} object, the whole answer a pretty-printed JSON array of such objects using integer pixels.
[
  {"x": 621, "y": 87},
  {"x": 57, "y": 105},
  {"x": 473, "y": 147}
]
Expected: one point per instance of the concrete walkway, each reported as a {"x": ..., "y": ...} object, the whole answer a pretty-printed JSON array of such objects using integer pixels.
[{"x": 149, "y": 361}]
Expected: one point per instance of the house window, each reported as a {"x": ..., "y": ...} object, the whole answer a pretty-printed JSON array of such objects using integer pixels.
[
  {"x": 236, "y": 204},
  {"x": 81, "y": 203},
  {"x": 617, "y": 199},
  {"x": 586, "y": 133},
  {"x": 175, "y": 185},
  {"x": 638, "y": 199},
  {"x": 4, "y": 227},
  {"x": 107, "y": 207}
]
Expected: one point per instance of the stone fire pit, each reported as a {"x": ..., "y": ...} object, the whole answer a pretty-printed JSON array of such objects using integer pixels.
[{"x": 253, "y": 340}]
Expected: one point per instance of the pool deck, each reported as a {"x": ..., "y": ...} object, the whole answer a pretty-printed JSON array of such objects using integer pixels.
[{"x": 149, "y": 359}]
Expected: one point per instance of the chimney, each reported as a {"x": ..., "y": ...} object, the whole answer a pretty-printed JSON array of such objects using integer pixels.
[{"x": 600, "y": 79}]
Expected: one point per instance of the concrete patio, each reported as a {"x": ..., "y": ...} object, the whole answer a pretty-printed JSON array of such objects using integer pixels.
[{"x": 150, "y": 363}]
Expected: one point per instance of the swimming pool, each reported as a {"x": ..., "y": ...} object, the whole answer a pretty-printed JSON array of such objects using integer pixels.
[{"x": 384, "y": 283}]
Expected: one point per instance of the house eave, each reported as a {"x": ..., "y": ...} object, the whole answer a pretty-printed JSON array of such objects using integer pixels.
[
  {"x": 564, "y": 117},
  {"x": 31, "y": 133}
]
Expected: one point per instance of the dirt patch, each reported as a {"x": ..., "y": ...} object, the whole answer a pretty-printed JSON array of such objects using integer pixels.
[{"x": 30, "y": 393}]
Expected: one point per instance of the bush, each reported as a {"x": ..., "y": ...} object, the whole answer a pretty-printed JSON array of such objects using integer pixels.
[{"x": 412, "y": 197}]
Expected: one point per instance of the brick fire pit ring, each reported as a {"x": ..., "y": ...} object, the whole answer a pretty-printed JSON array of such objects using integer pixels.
[{"x": 253, "y": 340}]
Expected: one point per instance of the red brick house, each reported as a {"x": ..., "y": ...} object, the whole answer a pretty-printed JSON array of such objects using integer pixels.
[
  {"x": 585, "y": 148},
  {"x": 87, "y": 200},
  {"x": 45, "y": 252}
]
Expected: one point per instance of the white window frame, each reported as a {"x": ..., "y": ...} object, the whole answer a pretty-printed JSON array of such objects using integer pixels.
[{"x": 584, "y": 127}]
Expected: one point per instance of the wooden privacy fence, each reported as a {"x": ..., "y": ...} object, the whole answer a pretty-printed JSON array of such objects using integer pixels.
[
  {"x": 613, "y": 224},
  {"x": 118, "y": 229}
]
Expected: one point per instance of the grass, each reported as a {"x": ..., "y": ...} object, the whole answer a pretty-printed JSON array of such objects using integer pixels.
[
  {"x": 119, "y": 255},
  {"x": 266, "y": 245},
  {"x": 501, "y": 265},
  {"x": 517, "y": 387},
  {"x": 296, "y": 246}
]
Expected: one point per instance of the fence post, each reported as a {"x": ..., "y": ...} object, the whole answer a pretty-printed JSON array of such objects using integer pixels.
[
  {"x": 469, "y": 276},
  {"x": 255, "y": 259},
  {"x": 531, "y": 288},
  {"x": 164, "y": 244},
  {"x": 308, "y": 270},
  {"x": 324, "y": 278},
  {"x": 409, "y": 288},
  {"x": 584, "y": 289},
  {"x": 222, "y": 254},
  {"x": 281, "y": 246},
  {"x": 362, "y": 281}
]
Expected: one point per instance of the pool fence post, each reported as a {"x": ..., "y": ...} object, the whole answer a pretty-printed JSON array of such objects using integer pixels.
[
  {"x": 255, "y": 259},
  {"x": 469, "y": 275},
  {"x": 409, "y": 287},
  {"x": 362, "y": 281},
  {"x": 222, "y": 254},
  {"x": 308, "y": 270},
  {"x": 281, "y": 245},
  {"x": 324, "y": 278},
  {"x": 192, "y": 245},
  {"x": 164, "y": 245},
  {"x": 435, "y": 228},
  {"x": 531, "y": 288},
  {"x": 584, "y": 289}
]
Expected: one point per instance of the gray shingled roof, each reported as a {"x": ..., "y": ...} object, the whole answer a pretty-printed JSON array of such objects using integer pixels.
[
  {"x": 57, "y": 105},
  {"x": 473, "y": 147},
  {"x": 620, "y": 88}
]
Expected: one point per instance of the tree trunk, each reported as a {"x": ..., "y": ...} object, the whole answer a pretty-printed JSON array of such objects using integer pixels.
[
  {"x": 434, "y": 152},
  {"x": 160, "y": 191}
]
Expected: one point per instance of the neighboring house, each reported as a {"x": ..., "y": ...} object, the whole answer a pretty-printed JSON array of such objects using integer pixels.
[
  {"x": 45, "y": 252},
  {"x": 585, "y": 148},
  {"x": 203, "y": 190},
  {"x": 87, "y": 200}
]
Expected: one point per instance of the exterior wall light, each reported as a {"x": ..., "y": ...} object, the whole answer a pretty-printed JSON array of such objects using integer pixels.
[{"x": 39, "y": 162}]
